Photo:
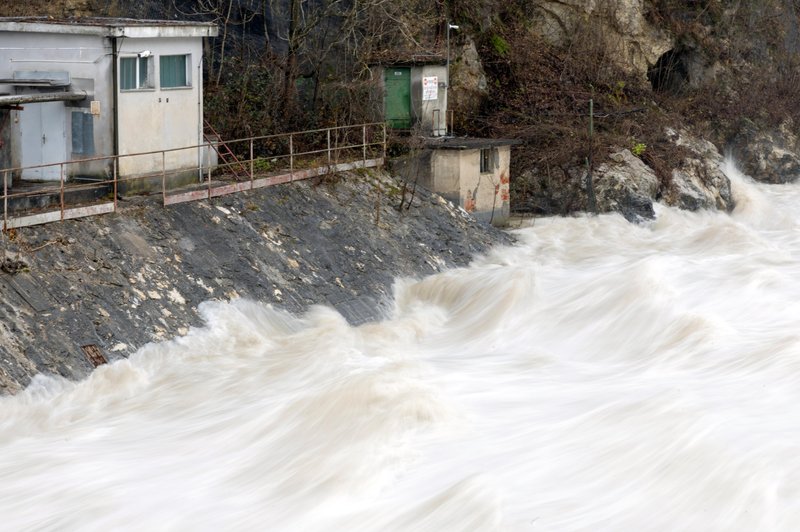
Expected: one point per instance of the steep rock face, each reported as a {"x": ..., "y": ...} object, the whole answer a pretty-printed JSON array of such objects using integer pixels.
[
  {"x": 698, "y": 182},
  {"x": 629, "y": 40},
  {"x": 468, "y": 79},
  {"x": 768, "y": 156},
  {"x": 626, "y": 185}
]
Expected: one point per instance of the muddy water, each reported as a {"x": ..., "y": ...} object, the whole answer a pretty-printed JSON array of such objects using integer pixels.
[{"x": 597, "y": 376}]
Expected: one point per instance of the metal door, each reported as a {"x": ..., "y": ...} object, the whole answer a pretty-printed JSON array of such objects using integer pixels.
[
  {"x": 398, "y": 97},
  {"x": 44, "y": 139}
]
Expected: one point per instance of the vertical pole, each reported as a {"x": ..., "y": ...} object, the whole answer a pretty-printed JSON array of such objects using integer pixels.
[
  {"x": 291, "y": 156},
  {"x": 116, "y": 176},
  {"x": 364, "y": 143},
  {"x": 252, "y": 163},
  {"x": 62, "y": 190},
  {"x": 209, "y": 183},
  {"x": 589, "y": 162},
  {"x": 164, "y": 177},
  {"x": 383, "y": 126},
  {"x": 5, "y": 200},
  {"x": 329, "y": 147},
  {"x": 447, "y": 85}
]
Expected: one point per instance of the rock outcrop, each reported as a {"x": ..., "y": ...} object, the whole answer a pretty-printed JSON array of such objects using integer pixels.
[
  {"x": 626, "y": 185},
  {"x": 630, "y": 41},
  {"x": 698, "y": 181},
  {"x": 768, "y": 156}
]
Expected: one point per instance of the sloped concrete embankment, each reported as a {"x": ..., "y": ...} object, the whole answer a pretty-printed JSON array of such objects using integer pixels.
[{"x": 119, "y": 281}]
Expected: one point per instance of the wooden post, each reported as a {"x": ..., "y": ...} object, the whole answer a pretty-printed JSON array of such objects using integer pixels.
[
  {"x": 291, "y": 156},
  {"x": 364, "y": 143}
]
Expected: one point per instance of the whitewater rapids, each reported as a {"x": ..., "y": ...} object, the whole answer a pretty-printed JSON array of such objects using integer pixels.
[{"x": 596, "y": 376}]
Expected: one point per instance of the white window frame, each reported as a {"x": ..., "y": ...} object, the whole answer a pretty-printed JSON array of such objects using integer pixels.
[{"x": 143, "y": 83}]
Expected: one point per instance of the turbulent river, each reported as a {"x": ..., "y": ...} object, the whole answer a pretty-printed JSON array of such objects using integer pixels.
[{"x": 596, "y": 376}]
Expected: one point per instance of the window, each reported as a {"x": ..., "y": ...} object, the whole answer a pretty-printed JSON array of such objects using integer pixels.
[
  {"x": 174, "y": 70},
  {"x": 135, "y": 73},
  {"x": 487, "y": 160}
]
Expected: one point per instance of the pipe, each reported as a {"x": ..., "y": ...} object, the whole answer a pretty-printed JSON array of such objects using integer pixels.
[{"x": 17, "y": 99}]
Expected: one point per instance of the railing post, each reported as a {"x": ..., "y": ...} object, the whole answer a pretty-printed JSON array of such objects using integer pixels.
[
  {"x": 61, "y": 167},
  {"x": 364, "y": 143},
  {"x": 164, "y": 177},
  {"x": 329, "y": 147},
  {"x": 5, "y": 200},
  {"x": 384, "y": 142},
  {"x": 291, "y": 156},
  {"x": 115, "y": 170},
  {"x": 252, "y": 164},
  {"x": 208, "y": 193}
]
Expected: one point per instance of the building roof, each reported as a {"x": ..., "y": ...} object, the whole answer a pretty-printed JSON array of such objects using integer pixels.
[
  {"x": 467, "y": 143},
  {"x": 109, "y": 27}
]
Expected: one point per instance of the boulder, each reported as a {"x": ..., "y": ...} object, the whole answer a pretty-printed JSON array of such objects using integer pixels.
[
  {"x": 698, "y": 182},
  {"x": 767, "y": 156},
  {"x": 626, "y": 185}
]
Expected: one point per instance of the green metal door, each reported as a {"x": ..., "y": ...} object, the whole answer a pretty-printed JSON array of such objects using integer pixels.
[{"x": 398, "y": 97}]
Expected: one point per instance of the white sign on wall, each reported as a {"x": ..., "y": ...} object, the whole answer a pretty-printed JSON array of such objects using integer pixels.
[{"x": 430, "y": 88}]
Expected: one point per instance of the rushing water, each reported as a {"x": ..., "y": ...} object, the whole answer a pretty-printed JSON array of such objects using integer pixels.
[{"x": 597, "y": 376}]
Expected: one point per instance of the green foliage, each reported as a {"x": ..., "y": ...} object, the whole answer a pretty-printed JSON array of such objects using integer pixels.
[
  {"x": 500, "y": 45},
  {"x": 638, "y": 148},
  {"x": 617, "y": 95}
]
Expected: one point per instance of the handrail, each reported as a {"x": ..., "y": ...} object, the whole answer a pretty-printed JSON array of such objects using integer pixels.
[{"x": 333, "y": 161}]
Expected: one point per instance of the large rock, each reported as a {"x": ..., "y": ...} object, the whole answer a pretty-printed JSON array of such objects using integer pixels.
[
  {"x": 698, "y": 182},
  {"x": 626, "y": 185},
  {"x": 629, "y": 40},
  {"x": 468, "y": 79},
  {"x": 768, "y": 156}
]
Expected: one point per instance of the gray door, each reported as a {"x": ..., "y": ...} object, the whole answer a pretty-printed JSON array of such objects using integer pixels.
[{"x": 44, "y": 139}]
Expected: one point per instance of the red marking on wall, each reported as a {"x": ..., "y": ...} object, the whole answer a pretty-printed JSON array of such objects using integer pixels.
[
  {"x": 469, "y": 204},
  {"x": 504, "y": 178}
]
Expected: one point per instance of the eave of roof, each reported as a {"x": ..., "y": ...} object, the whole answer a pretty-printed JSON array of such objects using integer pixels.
[{"x": 109, "y": 27}]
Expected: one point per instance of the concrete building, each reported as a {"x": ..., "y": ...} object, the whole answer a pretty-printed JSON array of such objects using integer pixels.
[
  {"x": 473, "y": 173},
  {"x": 76, "y": 90},
  {"x": 415, "y": 96}
]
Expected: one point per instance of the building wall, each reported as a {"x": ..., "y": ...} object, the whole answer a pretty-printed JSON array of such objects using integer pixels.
[
  {"x": 162, "y": 118},
  {"x": 456, "y": 175},
  {"x": 430, "y": 114},
  {"x": 88, "y": 60}
]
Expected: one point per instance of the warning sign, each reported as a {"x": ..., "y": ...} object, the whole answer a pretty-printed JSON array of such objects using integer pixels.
[{"x": 430, "y": 88}]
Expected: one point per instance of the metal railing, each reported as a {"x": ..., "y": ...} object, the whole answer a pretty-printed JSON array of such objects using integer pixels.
[{"x": 271, "y": 159}]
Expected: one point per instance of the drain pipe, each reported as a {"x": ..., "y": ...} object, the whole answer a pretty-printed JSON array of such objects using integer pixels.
[{"x": 115, "y": 95}]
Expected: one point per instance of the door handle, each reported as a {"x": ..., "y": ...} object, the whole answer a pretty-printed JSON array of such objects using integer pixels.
[{"x": 44, "y": 138}]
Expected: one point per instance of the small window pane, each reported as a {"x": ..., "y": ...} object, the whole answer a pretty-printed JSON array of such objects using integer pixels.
[
  {"x": 144, "y": 72},
  {"x": 173, "y": 71},
  {"x": 127, "y": 73}
]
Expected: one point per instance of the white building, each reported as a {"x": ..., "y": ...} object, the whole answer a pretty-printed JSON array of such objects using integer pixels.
[{"x": 73, "y": 90}]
